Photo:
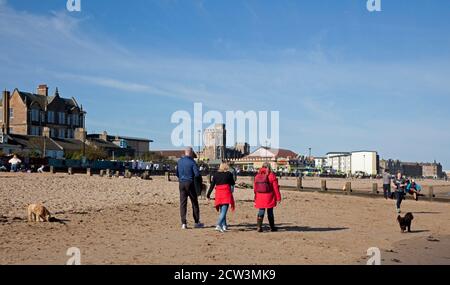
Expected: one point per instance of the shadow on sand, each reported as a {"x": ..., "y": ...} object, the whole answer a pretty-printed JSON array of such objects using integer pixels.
[{"x": 246, "y": 227}]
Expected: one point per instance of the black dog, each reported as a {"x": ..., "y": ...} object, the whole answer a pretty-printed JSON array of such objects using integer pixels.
[{"x": 405, "y": 223}]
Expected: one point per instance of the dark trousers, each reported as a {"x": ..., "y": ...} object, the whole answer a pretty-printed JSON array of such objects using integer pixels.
[
  {"x": 400, "y": 196},
  {"x": 270, "y": 214},
  {"x": 187, "y": 189},
  {"x": 387, "y": 191}
]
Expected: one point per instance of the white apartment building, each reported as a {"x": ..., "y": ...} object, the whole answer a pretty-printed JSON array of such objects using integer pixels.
[
  {"x": 353, "y": 162},
  {"x": 365, "y": 161}
]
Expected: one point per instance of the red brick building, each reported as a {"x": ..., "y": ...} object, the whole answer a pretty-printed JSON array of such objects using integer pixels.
[{"x": 25, "y": 113}]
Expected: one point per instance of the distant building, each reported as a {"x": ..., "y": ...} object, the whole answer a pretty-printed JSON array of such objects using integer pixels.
[
  {"x": 174, "y": 155},
  {"x": 277, "y": 158},
  {"x": 25, "y": 113},
  {"x": 413, "y": 169},
  {"x": 216, "y": 149},
  {"x": 432, "y": 170},
  {"x": 139, "y": 146},
  {"x": 320, "y": 162},
  {"x": 365, "y": 161},
  {"x": 339, "y": 161}
]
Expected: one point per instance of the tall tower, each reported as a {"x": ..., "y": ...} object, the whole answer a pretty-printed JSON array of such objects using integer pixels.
[{"x": 215, "y": 142}]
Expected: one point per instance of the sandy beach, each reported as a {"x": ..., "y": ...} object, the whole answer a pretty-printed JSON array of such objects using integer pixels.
[{"x": 134, "y": 221}]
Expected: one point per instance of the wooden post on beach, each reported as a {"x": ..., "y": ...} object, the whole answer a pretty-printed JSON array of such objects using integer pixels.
[
  {"x": 299, "y": 183},
  {"x": 52, "y": 169},
  {"x": 108, "y": 172},
  {"x": 431, "y": 193},
  {"x": 117, "y": 174},
  {"x": 348, "y": 188},
  {"x": 167, "y": 175},
  {"x": 323, "y": 186},
  {"x": 88, "y": 172},
  {"x": 375, "y": 188},
  {"x": 102, "y": 173},
  {"x": 70, "y": 171}
]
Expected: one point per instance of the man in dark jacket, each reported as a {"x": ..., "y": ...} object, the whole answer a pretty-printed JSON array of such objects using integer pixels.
[{"x": 188, "y": 173}]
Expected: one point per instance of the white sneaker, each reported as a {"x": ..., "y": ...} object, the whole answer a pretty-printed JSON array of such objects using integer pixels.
[
  {"x": 399, "y": 211},
  {"x": 184, "y": 227},
  {"x": 219, "y": 229},
  {"x": 199, "y": 226},
  {"x": 225, "y": 228}
]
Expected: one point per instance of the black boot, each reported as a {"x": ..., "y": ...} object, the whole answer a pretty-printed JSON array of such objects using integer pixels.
[
  {"x": 272, "y": 224},
  {"x": 259, "y": 224}
]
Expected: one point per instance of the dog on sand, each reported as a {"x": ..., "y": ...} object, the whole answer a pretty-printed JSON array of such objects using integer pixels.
[
  {"x": 38, "y": 213},
  {"x": 405, "y": 222}
]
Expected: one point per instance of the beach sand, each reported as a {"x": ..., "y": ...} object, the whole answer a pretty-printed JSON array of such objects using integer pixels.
[{"x": 133, "y": 221}]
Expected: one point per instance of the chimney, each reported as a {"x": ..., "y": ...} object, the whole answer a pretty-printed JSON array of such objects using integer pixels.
[
  {"x": 80, "y": 134},
  {"x": 42, "y": 90},
  {"x": 46, "y": 132},
  {"x": 104, "y": 136},
  {"x": 5, "y": 106}
]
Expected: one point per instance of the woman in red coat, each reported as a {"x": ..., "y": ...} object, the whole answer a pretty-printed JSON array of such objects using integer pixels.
[
  {"x": 222, "y": 181},
  {"x": 267, "y": 195}
]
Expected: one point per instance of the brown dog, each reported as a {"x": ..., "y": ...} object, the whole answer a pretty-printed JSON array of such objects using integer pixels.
[
  {"x": 38, "y": 213},
  {"x": 405, "y": 222}
]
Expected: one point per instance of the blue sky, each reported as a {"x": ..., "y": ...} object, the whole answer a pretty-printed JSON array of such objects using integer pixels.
[{"x": 341, "y": 77}]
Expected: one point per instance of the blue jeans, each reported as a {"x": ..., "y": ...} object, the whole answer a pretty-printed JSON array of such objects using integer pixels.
[
  {"x": 269, "y": 213},
  {"x": 14, "y": 167},
  {"x": 399, "y": 196},
  {"x": 223, "y": 216}
]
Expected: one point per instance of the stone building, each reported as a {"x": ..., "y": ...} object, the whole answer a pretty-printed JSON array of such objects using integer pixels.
[
  {"x": 215, "y": 146},
  {"x": 25, "y": 113},
  {"x": 432, "y": 170},
  {"x": 413, "y": 169}
]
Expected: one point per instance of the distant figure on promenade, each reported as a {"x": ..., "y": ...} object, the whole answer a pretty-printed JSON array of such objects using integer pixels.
[
  {"x": 267, "y": 195},
  {"x": 222, "y": 181},
  {"x": 387, "y": 181},
  {"x": 187, "y": 173},
  {"x": 15, "y": 162},
  {"x": 400, "y": 190}
]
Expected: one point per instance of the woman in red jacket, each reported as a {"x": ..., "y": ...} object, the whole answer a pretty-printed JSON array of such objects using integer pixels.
[
  {"x": 267, "y": 195},
  {"x": 222, "y": 181}
]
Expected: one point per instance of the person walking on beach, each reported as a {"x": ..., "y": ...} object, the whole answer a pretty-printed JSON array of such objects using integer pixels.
[
  {"x": 15, "y": 162},
  {"x": 387, "y": 181},
  {"x": 222, "y": 181},
  {"x": 400, "y": 190},
  {"x": 188, "y": 174},
  {"x": 267, "y": 195}
]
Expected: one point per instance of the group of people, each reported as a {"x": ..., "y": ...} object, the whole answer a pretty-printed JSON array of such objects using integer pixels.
[
  {"x": 402, "y": 187},
  {"x": 266, "y": 189}
]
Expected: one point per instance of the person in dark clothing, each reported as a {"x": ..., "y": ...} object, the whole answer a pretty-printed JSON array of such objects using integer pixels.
[
  {"x": 400, "y": 190},
  {"x": 188, "y": 173},
  {"x": 222, "y": 181}
]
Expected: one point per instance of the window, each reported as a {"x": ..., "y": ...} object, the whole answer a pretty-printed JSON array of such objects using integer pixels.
[
  {"x": 61, "y": 133},
  {"x": 52, "y": 133},
  {"x": 43, "y": 117},
  {"x": 70, "y": 134},
  {"x": 69, "y": 120},
  {"x": 35, "y": 115},
  {"x": 35, "y": 131},
  {"x": 61, "y": 118},
  {"x": 1, "y": 114},
  {"x": 51, "y": 117},
  {"x": 76, "y": 119},
  {"x": 11, "y": 113}
]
